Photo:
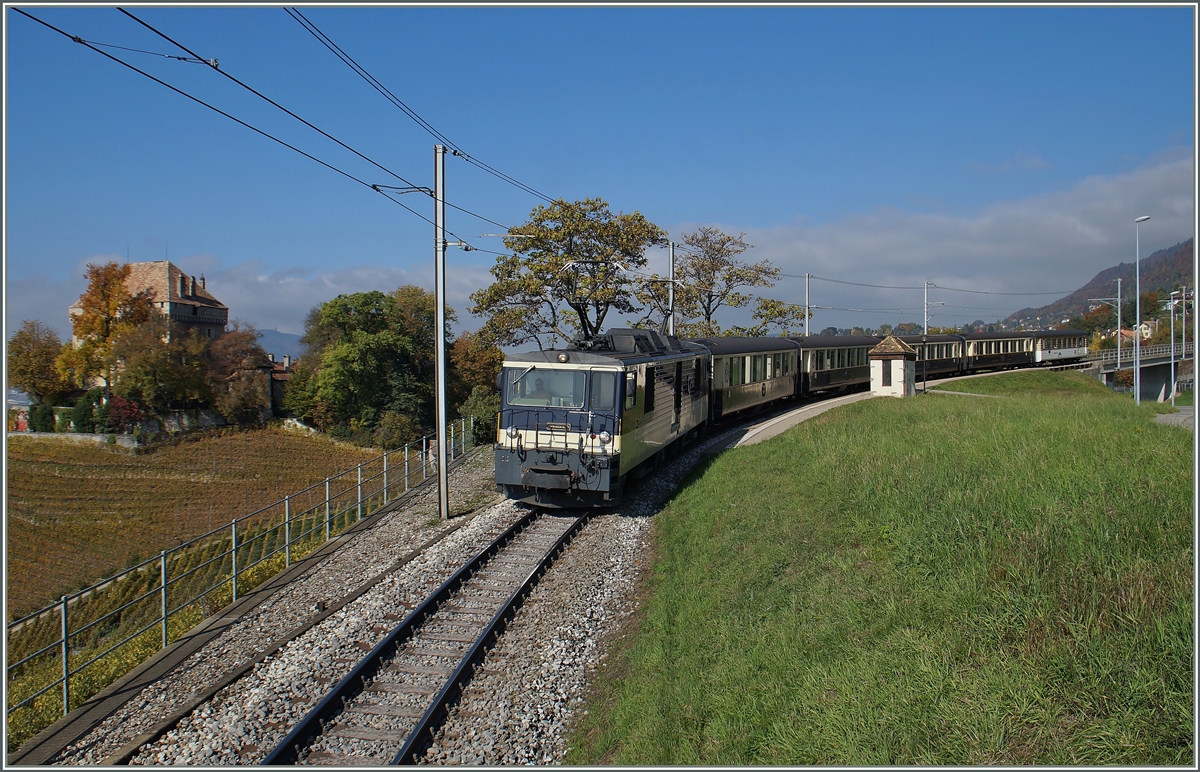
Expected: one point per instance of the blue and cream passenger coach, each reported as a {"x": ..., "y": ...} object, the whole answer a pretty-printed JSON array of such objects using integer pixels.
[{"x": 574, "y": 422}]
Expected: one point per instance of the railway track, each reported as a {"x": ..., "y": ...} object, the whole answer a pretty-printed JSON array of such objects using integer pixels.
[{"x": 387, "y": 707}]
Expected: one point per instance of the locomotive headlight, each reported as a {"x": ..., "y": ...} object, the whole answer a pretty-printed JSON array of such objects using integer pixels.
[
  {"x": 605, "y": 438},
  {"x": 512, "y": 432},
  {"x": 563, "y": 357}
]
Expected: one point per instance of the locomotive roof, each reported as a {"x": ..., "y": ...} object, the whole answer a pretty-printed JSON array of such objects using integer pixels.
[
  {"x": 617, "y": 346},
  {"x": 724, "y": 346}
]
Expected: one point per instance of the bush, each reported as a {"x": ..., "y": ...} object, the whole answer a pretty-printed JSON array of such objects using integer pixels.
[
  {"x": 482, "y": 405},
  {"x": 395, "y": 430},
  {"x": 83, "y": 415},
  {"x": 41, "y": 418},
  {"x": 123, "y": 414}
]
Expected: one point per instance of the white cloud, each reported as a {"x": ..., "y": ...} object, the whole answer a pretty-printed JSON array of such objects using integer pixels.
[{"x": 1051, "y": 242}]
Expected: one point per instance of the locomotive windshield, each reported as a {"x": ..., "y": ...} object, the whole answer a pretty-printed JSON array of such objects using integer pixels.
[{"x": 555, "y": 388}]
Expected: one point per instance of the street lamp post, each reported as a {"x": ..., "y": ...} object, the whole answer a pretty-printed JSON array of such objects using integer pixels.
[
  {"x": 1118, "y": 324},
  {"x": 1137, "y": 324},
  {"x": 1173, "y": 294}
]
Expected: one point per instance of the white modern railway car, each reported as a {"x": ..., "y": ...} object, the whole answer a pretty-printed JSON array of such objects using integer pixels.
[{"x": 1059, "y": 346}]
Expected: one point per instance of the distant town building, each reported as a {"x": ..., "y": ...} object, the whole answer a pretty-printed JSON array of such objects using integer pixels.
[{"x": 177, "y": 296}]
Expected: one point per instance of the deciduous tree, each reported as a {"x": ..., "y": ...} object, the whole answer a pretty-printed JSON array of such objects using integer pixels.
[
  {"x": 473, "y": 364},
  {"x": 239, "y": 375},
  {"x": 161, "y": 367},
  {"x": 570, "y": 267},
  {"x": 709, "y": 276},
  {"x": 107, "y": 311},
  {"x": 357, "y": 365},
  {"x": 32, "y": 352}
]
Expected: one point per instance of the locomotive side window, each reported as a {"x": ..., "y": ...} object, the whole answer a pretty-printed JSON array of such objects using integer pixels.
[
  {"x": 630, "y": 389},
  {"x": 604, "y": 391}
]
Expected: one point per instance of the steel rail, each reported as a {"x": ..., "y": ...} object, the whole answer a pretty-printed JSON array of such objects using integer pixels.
[
  {"x": 421, "y": 737},
  {"x": 287, "y": 751}
]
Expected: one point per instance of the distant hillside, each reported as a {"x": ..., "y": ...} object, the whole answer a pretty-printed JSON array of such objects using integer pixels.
[
  {"x": 280, "y": 343},
  {"x": 1163, "y": 270}
]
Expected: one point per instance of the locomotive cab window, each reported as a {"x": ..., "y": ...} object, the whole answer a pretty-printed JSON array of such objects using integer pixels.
[
  {"x": 604, "y": 392},
  {"x": 649, "y": 388},
  {"x": 554, "y": 388}
]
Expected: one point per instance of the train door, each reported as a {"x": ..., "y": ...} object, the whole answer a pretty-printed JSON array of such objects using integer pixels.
[{"x": 678, "y": 395}]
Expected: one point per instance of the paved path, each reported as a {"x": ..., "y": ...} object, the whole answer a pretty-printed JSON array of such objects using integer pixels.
[
  {"x": 789, "y": 419},
  {"x": 1186, "y": 417}
]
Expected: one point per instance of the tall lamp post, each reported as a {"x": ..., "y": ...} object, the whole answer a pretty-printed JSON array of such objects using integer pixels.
[
  {"x": 1173, "y": 294},
  {"x": 1137, "y": 325}
]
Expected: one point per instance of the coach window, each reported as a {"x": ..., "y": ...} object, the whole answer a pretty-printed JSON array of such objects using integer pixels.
[
  {"x": 604, "y": 391},
  {"x": 630, "y": 389}
]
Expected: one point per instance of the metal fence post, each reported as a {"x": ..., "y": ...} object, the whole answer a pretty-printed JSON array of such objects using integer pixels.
[
  {"x": 451, "y": 457},
  {"x": 326, "y": 509},
  {"x": 472, "y": 431},
  {"x": 162, "y": 569},
  {"x": 287, "y": 530},
  {"x": 385, "y": 480},
  {"x": 425, "y": 458},
  {"x": 233, "y": 553},
  {"x": 66, "y": 670},
  {"x": 406, "y": 466},
  {"x": 359, "y": 493}
]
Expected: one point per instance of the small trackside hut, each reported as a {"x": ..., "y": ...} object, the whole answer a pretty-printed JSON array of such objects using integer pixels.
[
  {"x": 574, "y": 423},
  {"x": 893, "y": 368}
]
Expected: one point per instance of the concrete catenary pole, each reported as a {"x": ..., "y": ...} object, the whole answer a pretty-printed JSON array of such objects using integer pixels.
[
  {"x": 439, "y": 281},
  {"x": 807, "y": 307}
]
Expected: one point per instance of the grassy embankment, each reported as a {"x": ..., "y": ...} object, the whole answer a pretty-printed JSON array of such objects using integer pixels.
[
  {"x": 78, "y": 512},
  {"x": 942, "y": 580}
]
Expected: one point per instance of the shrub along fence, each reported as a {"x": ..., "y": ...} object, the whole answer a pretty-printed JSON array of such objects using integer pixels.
[{"x": 65, "y": 653}]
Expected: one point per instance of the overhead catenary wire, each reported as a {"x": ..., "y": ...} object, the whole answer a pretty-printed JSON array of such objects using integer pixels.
[
  {"x": 411, "y": 113},
  {"x": 213, "y": 64},
  {"x": 455, "y": 149},
  {"x": 233, "y": 118}
]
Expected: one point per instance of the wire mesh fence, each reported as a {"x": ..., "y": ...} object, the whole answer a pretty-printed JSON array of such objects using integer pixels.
[{"x": 63, "y": 654}]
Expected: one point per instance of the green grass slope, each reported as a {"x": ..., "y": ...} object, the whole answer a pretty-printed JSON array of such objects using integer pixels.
[{"x": 941, "y": 580}]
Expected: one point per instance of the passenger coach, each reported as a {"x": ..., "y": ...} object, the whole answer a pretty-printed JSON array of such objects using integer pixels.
[{"x": 748, "y": 373}]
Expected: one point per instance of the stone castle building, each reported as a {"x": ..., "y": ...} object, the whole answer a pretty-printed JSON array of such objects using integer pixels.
[{"x": 177, "y": 296}]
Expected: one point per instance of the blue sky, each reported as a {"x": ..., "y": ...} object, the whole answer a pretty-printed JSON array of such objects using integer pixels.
[{"x": 988, "y": 148}]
